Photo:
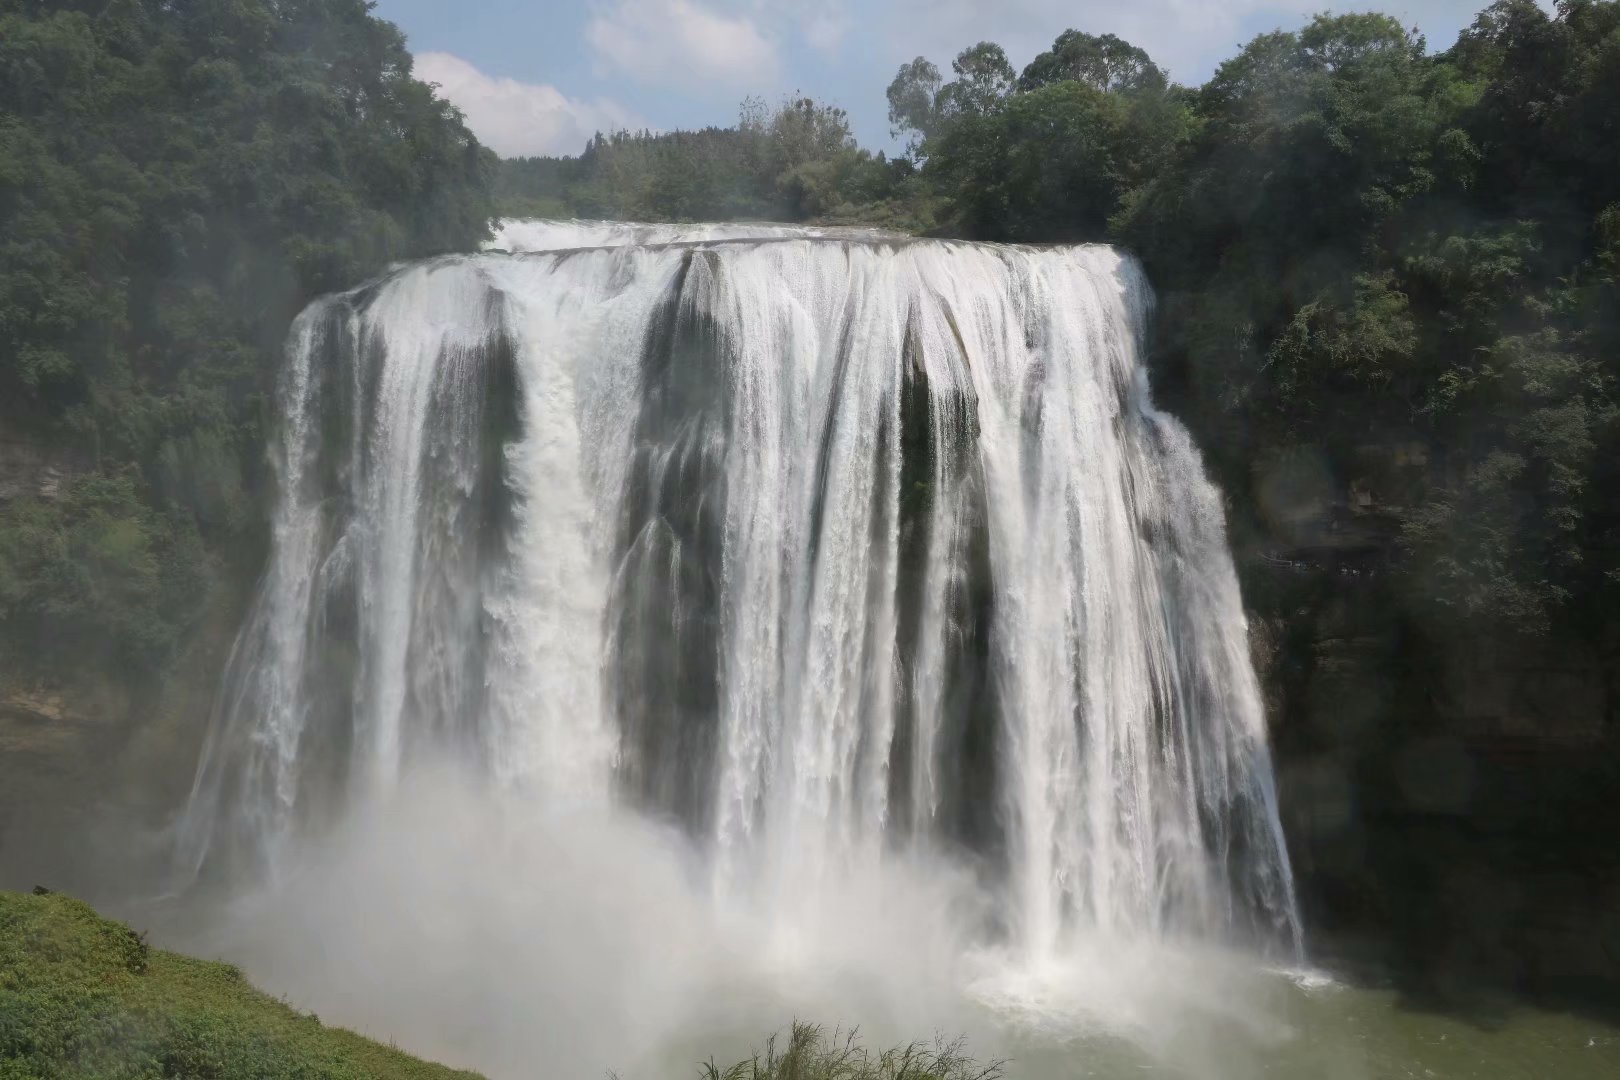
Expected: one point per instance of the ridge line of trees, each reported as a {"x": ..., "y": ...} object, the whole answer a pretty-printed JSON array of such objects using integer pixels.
[{"x": 795, "y": 161}]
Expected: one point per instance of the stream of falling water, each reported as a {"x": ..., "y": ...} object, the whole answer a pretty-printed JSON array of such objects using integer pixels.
[{"x": 848, "y": 557}]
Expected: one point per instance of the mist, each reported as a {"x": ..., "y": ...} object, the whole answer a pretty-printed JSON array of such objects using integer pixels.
[
  {"x": 506, "y": 933},
  {"x": 518, "y": 937}
]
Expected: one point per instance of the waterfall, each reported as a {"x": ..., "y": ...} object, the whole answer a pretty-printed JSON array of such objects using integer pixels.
[{"x": 829, "y": 546}]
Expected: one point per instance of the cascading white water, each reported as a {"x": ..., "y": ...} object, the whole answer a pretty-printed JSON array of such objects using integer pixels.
[{"x": 832, "y": 547}]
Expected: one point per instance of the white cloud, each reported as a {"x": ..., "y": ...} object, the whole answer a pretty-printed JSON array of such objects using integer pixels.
[
  {"x": 825, "y": 29},
  {"x": 683, "y": 43},
  {"x": 517, "y": 118}
]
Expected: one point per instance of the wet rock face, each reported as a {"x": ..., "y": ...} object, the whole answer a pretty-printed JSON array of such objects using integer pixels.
[
  {"x": 1450, "y": 804},
  {"x": 35, "y": 706},
  {"x": 33, "y": 469},
  {"x": 1449, "y": 795}
]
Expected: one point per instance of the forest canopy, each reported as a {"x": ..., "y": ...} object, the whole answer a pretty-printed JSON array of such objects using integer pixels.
[
  {"x": 794, "y": 162},
  {"x": 176, "y": 181}
]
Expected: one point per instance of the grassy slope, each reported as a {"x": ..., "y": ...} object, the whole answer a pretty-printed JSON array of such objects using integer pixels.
[{"x": 82, "y": 996}]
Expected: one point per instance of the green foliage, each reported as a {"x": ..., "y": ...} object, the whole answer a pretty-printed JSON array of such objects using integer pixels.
[
  {"x": 83, "y": 997},
  {"x": 1051, "y": 164},
  {"x": 794, "y": 163},
  {"x": 1417, "y": 297},
  {"x": 912, "y": 95},
  {"x": 812, "y": 1053},
  {"x": 1050, "y": 156},
  {"x": 1357, "y": 245},
  {"x": 1103, "y": 63},
  {"x": 984, "y": 79},
  {"x": 176, "y": 180},
  {"x": 98, "y": 576}
]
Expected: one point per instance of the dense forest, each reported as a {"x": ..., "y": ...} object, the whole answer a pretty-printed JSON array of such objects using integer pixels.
[
  {"x": 795, "y": 162},
  {"x": 176, "y": 180}
]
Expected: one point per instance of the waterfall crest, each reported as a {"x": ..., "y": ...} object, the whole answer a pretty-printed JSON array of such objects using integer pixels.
[{"x": 829, "y": 546}]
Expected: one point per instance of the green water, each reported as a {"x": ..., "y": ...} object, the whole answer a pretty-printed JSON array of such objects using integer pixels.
[
  {"x": 1175, "y": 1017},
  {"x": 1331, "y": 1032}
]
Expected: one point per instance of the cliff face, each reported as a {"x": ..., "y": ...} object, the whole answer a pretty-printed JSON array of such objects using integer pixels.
[
  {"x": 34, "y": 467},
  {"x": 1449, "y": 798},
  {"x": 91, "y": 772},
  {"x": 92, "y": 765}
]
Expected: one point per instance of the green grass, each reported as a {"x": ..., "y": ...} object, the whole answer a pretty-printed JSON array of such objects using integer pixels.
[{"x": 85, "y": 997}]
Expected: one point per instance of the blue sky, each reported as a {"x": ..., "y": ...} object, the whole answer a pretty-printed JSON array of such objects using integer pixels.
[{"x": 539, "y": 76}]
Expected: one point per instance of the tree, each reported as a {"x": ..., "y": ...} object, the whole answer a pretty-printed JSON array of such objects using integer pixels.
[
  {"x": 984, "y": 78},
  {"x": 794, "y": 162},
  {"x": 176, "y": 180},
  {"x": 912, "y": 102},
  {"x": 1446, "y": 290},
  {"x": 1106, "y": 63},
  {"x": 1052, "y": 164}
]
